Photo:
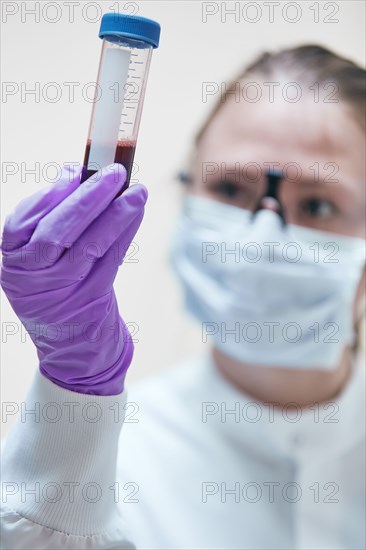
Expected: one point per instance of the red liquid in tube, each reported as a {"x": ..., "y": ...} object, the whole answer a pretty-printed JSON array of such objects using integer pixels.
[{"x": 125, "y": 152}]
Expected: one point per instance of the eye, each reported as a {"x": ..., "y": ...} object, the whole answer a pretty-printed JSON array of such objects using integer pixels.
[
  {"x": 227, "y": 189},
  {"x": 318, "y": 208}
]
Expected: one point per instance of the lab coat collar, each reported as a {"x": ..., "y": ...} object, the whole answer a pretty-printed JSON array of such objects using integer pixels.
[{"x": 324, "y": 431}]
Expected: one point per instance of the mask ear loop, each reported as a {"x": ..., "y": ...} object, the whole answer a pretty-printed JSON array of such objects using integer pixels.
[{"x": 274, "y": 178}]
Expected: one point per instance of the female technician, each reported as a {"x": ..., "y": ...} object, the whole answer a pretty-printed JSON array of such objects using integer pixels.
[{"x": 258, "y": 445}]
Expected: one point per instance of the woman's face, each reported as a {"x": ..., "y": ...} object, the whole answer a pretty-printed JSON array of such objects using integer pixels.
[{"x": 318, "y": 145}]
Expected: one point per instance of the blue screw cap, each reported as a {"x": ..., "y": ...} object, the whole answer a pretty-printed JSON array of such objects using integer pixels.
[{"x": 130, "y": 26}]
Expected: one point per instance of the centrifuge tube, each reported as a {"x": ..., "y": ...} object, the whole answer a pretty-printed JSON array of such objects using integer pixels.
[{"x": 128, "y": 42}]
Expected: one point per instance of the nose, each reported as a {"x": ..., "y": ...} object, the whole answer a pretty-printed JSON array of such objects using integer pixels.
[
  {"x": 270, "y": 203},
  {"x": 270, "y": 200}
]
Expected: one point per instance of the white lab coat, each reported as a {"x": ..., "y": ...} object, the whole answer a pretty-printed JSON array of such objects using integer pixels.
[{"x": 190, "y": 473}]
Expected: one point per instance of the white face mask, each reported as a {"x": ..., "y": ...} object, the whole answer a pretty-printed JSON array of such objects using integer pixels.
[{"x": 266, "y": 293}]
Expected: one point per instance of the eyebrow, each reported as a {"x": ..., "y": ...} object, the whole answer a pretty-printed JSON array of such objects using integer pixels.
[
  {"x": 340, "y": 189},
  {"x": 321, "y": 182},
  {"x": 306, "y": 182},
  {"x": 329, "y": 178}
]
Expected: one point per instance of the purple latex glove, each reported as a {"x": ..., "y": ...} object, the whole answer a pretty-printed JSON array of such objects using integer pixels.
[{"x": 61, "y": 251}]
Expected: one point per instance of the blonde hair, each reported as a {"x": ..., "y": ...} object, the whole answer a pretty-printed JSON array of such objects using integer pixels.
[{"x": 312, "y": 63}]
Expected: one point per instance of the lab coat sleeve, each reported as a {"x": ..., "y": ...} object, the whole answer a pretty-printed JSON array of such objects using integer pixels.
[{"x": 59, "y": 487}]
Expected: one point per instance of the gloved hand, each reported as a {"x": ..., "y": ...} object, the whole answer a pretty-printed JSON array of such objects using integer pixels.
[{"x": 62, "y": 248}]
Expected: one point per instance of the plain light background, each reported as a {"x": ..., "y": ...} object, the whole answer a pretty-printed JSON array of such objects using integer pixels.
[{"x": 191, "y": 52}]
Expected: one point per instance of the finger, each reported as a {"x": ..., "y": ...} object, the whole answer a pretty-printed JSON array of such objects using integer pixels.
[
  {"x": 100, "y": 278},
  {"x": 112, "y": 226},
  {"x": 21, "y": 223},
  {"x": 65, "y": 223},
  {"x": 117, "y": 252}
]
